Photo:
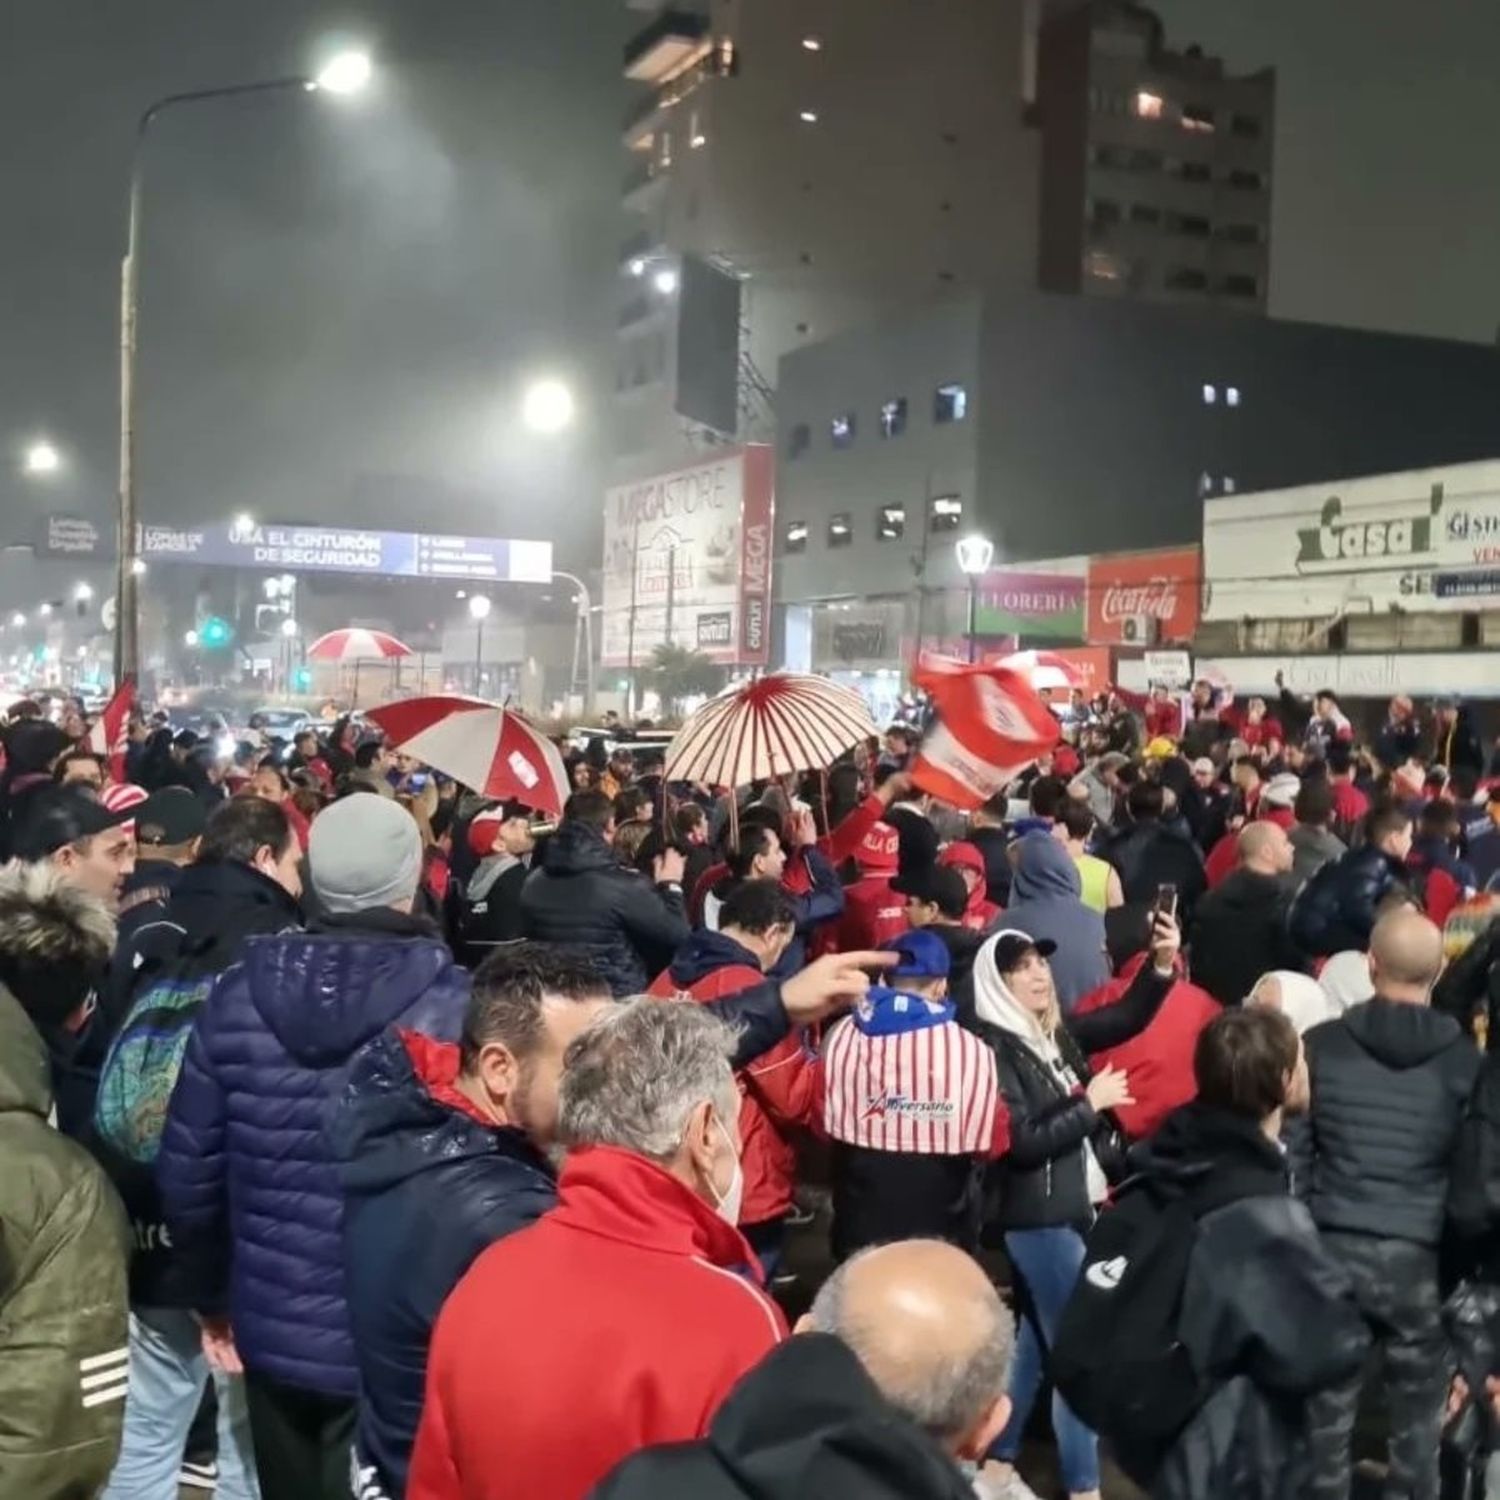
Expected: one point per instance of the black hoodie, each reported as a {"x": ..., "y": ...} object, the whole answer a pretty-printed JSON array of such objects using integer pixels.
[
  {"x": 1390, "y": 1082},
  {"x": 807, "y": 1423}
]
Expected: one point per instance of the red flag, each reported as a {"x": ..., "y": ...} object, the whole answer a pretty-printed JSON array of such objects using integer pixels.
[
  {"x": 990, "y": 726},
  {"x": 109, "y": 735}
]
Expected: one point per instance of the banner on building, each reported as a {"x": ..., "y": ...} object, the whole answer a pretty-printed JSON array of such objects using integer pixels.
[
  {"x": 1144, "y": 598},
  {"x": 1041, "y": 600},
  {"x": 1423, "y": 541},
  {"x": 687, "y": 560}
]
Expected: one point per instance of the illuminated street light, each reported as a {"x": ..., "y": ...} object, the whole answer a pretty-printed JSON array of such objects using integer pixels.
[
  {"x": 190, "y": 640},
  {"x": 289, "y": 627},
  {"x": 975, "y": 554},
  {"x": 479, "y": 607},
  {"x": 138, "y": 566},
  {"x": 43, "y": 610},
  {"x": 18, "y": 619},
  {"x": 346, "y": 73},
  {"x": 83, "y": 593},
  {"x": 43, "y": 458},
  {"x": 548, "y": 406},
  {"x": 479, "y": 612},
  {"x": 665, "y": 281},
  {"x": 244, "y": 526}
]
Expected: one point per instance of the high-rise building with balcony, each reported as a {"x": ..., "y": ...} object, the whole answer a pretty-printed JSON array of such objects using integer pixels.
[
  {"x": 1156, "y": 164},
  {"x": 833, "y": 160}
]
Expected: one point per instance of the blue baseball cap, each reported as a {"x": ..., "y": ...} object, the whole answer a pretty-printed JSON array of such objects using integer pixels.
[{"x": 924, "y": 955}]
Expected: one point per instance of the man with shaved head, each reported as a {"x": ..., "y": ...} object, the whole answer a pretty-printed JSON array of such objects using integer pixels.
[
  {"x": 897, "y": 1374},
  {"x": 1390, "y": 1080},
  {"x": 1240, "y": 927}
]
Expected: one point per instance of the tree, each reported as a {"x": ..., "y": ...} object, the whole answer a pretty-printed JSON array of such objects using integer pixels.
[{"x": 676, "y": 673}]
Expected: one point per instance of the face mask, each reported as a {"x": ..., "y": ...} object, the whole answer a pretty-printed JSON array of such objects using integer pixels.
[{"x": 728, "y": 1207}]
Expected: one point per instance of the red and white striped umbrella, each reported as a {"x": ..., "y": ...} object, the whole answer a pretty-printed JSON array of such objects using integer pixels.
[
  {"x": 786, "y": 722},
  {"x": 357, "y": 644},
  {"x": 490, "y": 749},
  {"x": 1046, "y": 671}
]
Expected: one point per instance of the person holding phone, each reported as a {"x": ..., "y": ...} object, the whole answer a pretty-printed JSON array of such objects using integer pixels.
[{"x": 1043, "y": 1196}]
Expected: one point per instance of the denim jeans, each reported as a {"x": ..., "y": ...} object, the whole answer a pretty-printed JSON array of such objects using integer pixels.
[
  {"x": 167, "y": 1376},
  {"x": 1048, "y": 1262}
]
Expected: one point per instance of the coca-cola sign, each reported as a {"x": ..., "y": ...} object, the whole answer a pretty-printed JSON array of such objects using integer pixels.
[{"x": 1162, "y": 588}]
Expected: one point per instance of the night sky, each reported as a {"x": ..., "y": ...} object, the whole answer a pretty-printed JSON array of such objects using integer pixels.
[{"x": 333, "y": 292}]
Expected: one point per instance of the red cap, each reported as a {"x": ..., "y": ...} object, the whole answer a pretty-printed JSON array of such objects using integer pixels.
[
  {"x": 484, "y": 830},
  {"x": 879, "y": 852},
  {"x": 963, "y": 855},
  {"x": 1065, "y": 761}
]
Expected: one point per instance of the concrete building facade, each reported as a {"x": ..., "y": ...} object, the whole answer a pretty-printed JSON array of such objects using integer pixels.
[
  {"x": 1156, "y": 164},
  {"x": 1063, "y": 427},
  {"x": 841, "y": 159}
]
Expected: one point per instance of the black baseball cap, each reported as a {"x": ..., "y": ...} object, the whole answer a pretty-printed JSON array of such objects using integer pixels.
[
  {"x": 169, "y": 817},
  {"x": 939, "y": 885},
  {"x": 1012, "y": 946},
  {"x": 57, "y": 816}
]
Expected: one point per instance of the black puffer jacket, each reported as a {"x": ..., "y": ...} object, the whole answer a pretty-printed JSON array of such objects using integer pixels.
[
  {"x": 1390, "y": 1083},
  {"x": 1267, "y": 1315},
  {"x": 1042, "y": 1181},
  {"x": 583, "y": 897},
  {"x": 1335, "y": 910}
]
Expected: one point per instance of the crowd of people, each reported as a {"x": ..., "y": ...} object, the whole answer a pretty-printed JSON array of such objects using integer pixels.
[{"x": 364, "y": 1136}]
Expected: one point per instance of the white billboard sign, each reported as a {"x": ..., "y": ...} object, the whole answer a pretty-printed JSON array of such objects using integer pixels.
[{"x": 1424, "y": 540}]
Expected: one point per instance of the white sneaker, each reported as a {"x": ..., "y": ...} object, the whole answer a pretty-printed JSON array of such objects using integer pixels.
[{"x": 990, "y": 1486}]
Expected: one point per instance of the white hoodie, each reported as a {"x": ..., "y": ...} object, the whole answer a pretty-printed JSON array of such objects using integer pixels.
[{"x": 995, "y": 1004}]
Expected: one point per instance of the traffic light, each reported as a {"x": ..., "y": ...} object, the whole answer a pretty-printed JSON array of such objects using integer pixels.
[{"x": 215, "y": 634}]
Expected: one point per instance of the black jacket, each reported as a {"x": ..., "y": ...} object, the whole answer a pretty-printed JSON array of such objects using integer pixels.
[
  {"x": 994, "y": 845},
  {"x": 1390, "y": 1083},
  {"x": 1459, "y": 746},
  {"x": 1474, "y": 1188},
  {"x": 487, "y": 910},
  {"x": 584, "y": 898},
  {"x": 807, "y": 1423},
  {"x": 1042, "y": 1181},
  {"x": 413, "y": 1157},
  {"x": 1335, "y": 910},
  {"x": 1267, "y": 1316},
  {"x": 214, "y": 909},
  {"x": 962, "y": 943},
  {"x": 1148, "y": 855},
  {"x": 1397, "y": 742},
  {"x": 1239, "y": 932}
]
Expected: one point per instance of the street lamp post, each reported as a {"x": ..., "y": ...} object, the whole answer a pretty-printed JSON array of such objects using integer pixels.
[
  {"x": 343, "y": 74},
  {"x": 975, "y": 554},
  {"x": 583, "y": 640},
  {"x": 479, "y": 612}
]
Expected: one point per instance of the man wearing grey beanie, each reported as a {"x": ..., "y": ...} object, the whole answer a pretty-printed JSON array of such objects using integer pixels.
[{"x": 265, "y": 1064}]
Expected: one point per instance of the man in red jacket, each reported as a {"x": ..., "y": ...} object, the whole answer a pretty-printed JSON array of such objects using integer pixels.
[
  {"x": 625, "y": 1316},
  {"x": 781, "y": 1092},
  {"x": 873, "y": 913}
]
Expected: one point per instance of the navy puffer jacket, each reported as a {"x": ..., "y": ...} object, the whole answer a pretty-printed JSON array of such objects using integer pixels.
[
  {"x": 1335, "y": 910},
  {"x": 247, "y": 1177},
  {"x": 414, "y": 1154},
  {"x": 585, "y": 899}
]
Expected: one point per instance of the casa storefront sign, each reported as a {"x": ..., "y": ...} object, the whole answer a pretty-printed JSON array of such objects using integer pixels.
[{"x": 1424, "y": 540}]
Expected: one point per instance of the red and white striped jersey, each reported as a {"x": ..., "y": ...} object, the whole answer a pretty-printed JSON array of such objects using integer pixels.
[{"x": 932, "y": 1091}]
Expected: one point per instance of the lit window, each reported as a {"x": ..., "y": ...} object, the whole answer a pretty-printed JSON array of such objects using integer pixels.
[
  {"x": 796, "y": 536},
  {"x": 841, "y": 430},
  {"x": 1232, "y": 395},
  {"x": 808, "y": 117},
  {"x": 1148, "y": 105},
  {"x": 1100, "y": 265},
  {"x": 1210, "y": 394},
  {"x": 1205, "y": 483},
  {"x": 1229, "y": 484},
  {"x": 893, "y": 418},
  {"x": 950, "y": 403},
  {"x": 947, "y": 513},
  {"x": 890, "y": 523},
  {"x": 1197, "y": 117},
  {"x": 798, "y": 440},
  {"x": 840, "y": 533},
  {"x": 812, "y": 44}
]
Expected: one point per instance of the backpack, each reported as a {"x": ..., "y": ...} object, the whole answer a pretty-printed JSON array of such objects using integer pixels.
[
  {"x": 1117, "y": 1360},
  {"x": 140, "y": 1070}
]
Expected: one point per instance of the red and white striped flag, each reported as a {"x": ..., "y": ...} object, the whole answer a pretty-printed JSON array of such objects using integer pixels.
[
  {"x": 990, "y": 726},
  {"x": 109, "y": 734}
]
